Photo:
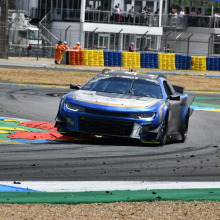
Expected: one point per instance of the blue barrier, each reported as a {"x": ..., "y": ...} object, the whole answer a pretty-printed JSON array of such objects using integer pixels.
[
  {"x": 149, "y": 60},
  {"x": 213, "y": 63},
  {"x": 112, "y": 58},
  {"x": 183, "y": 62}
]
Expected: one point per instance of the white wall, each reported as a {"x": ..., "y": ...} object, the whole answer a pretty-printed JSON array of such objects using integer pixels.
[
  {"x": 73, "y": 33},
  {"x": 33, "y": 4},
  {"x": 127, "y": 29}
]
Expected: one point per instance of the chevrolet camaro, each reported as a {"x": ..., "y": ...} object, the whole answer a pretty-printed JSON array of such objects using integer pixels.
[{"x": 126, "y": 104}]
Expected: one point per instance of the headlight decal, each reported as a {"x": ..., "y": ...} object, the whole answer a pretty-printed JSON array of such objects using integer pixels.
[{"x": 74, "y": 108}]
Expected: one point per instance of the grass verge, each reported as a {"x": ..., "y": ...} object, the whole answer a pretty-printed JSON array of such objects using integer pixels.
[{"x": 57, "y": 78}]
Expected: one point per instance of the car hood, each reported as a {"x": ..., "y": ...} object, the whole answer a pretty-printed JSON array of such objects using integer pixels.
[{"x": 113, "y": 99}]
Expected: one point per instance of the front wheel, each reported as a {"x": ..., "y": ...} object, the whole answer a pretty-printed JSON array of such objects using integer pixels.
[
  {"x": 163, "y": 139},
  {"x": 163, "y": 135}
]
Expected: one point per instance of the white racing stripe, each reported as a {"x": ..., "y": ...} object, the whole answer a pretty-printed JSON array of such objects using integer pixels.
[{"x": 81, "y": 186}]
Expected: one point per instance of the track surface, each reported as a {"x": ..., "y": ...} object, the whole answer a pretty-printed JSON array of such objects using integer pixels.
[{"x": 117, "y": 159}]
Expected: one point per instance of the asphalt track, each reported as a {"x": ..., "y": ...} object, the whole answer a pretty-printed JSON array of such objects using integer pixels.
[{"x": 106, "y": 159}]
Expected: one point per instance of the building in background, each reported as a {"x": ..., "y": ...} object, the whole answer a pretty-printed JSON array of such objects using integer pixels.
[{"x": 97, "y": 25}]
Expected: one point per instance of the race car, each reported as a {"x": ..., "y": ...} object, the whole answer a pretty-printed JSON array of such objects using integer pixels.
[{"x": 126, "y": 104}]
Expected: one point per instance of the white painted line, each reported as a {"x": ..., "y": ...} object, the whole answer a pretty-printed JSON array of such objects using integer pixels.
[{"x": 79, "y": 186}]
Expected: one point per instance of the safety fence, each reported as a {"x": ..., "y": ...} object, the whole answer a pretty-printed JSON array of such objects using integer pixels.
[{"x": 165, "y": 61}]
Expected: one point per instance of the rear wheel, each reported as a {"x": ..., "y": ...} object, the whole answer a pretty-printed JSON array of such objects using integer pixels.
[
  {"x": 183, "y": 137},
  {"x": 184, "y": 134}
]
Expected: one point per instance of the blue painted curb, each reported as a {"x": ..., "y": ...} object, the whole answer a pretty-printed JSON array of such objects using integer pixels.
[{"x": 4, "y": 188}]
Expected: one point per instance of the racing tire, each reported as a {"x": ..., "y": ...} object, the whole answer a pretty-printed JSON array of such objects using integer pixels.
[
  {"x": 184, "y": 134},
  {"x": 183, "y": 137},
  {"x": 163, "y": 138}
]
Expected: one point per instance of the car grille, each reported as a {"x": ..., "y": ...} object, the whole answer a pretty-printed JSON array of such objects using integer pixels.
[
  {"x": 107, "y": 113},
  {"x": 105, "y": 126}
]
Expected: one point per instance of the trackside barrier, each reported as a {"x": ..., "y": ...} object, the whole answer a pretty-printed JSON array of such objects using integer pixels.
[
  {"x": 183, "y": 62},
  {"x": 93, "y": 57},
  {"x": 112, "y": 58},
  {"x": 213, "y": 63},
  {"x": 165, "y": 61},
  {"x": 149, "y": 60},
  {"x": 131, "y": 59},
  {"x": 198, "y": 63},
  {"x": 75, "y": 57}
]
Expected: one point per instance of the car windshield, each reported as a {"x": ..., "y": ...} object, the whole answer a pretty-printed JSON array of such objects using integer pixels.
[{"x": 123, "y": 85}]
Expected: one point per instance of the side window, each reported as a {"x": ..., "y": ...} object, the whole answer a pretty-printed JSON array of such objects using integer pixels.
[
  {"x": 22, "y": 34},
  {"x": 167, "y": 89}
]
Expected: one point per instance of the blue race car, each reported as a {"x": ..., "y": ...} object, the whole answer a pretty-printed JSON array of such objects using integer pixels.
[{"x": 126, "y": 104}]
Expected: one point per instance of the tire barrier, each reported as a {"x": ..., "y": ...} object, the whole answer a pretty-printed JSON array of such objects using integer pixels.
[
  {"x": 164, "y": 61},
  {"x": 93, "y": 57},
  {"x": 75, "y": 57},
  {"x": 183, "y": 62},
  {"x": 131, "y": 59},
  {"x": 112, "y": 58},
  {"x": 167, "y": 61},
  {"x": 198, "y": 63},
  {"x": 149, "y": 60},
  {"x": 213, "y": 63}
]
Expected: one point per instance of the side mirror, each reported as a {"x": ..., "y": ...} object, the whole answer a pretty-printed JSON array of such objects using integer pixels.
[
  {"x": 175, "y": 97},
  {"x": 74, "y": 86}
]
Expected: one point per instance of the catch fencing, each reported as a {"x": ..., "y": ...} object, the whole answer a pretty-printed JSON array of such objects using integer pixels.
[{"x": 40, "y": 51}]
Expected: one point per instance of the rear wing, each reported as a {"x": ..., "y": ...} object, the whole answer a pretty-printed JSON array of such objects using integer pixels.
[{"x": 179, "y": 89}]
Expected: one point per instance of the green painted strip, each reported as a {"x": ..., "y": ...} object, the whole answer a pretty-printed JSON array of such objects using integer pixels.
[
  {"x": 111, "y": 196},
  {"x": 206, "y": 98},
  {"x": 4, "y": 137},
  {"x": 198, "y": 104},
  {"x": 15, "y": 124}
]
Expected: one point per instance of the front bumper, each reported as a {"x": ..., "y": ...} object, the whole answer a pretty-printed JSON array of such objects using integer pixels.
[{"x": 129, "y": 128}]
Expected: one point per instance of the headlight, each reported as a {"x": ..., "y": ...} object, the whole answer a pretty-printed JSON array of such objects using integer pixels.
[
  {"x": 75, "y": 108},
  {"x": 143, "y": 115}
]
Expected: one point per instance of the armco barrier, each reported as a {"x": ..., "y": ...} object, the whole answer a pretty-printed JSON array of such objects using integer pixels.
[{"x": 164, "y": 61}]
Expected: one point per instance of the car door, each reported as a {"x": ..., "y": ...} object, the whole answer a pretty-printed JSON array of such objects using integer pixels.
[{"x": 174, "y": 105}]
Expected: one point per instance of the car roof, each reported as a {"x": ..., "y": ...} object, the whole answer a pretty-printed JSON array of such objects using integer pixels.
[{"x": 131, "y": 74}]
